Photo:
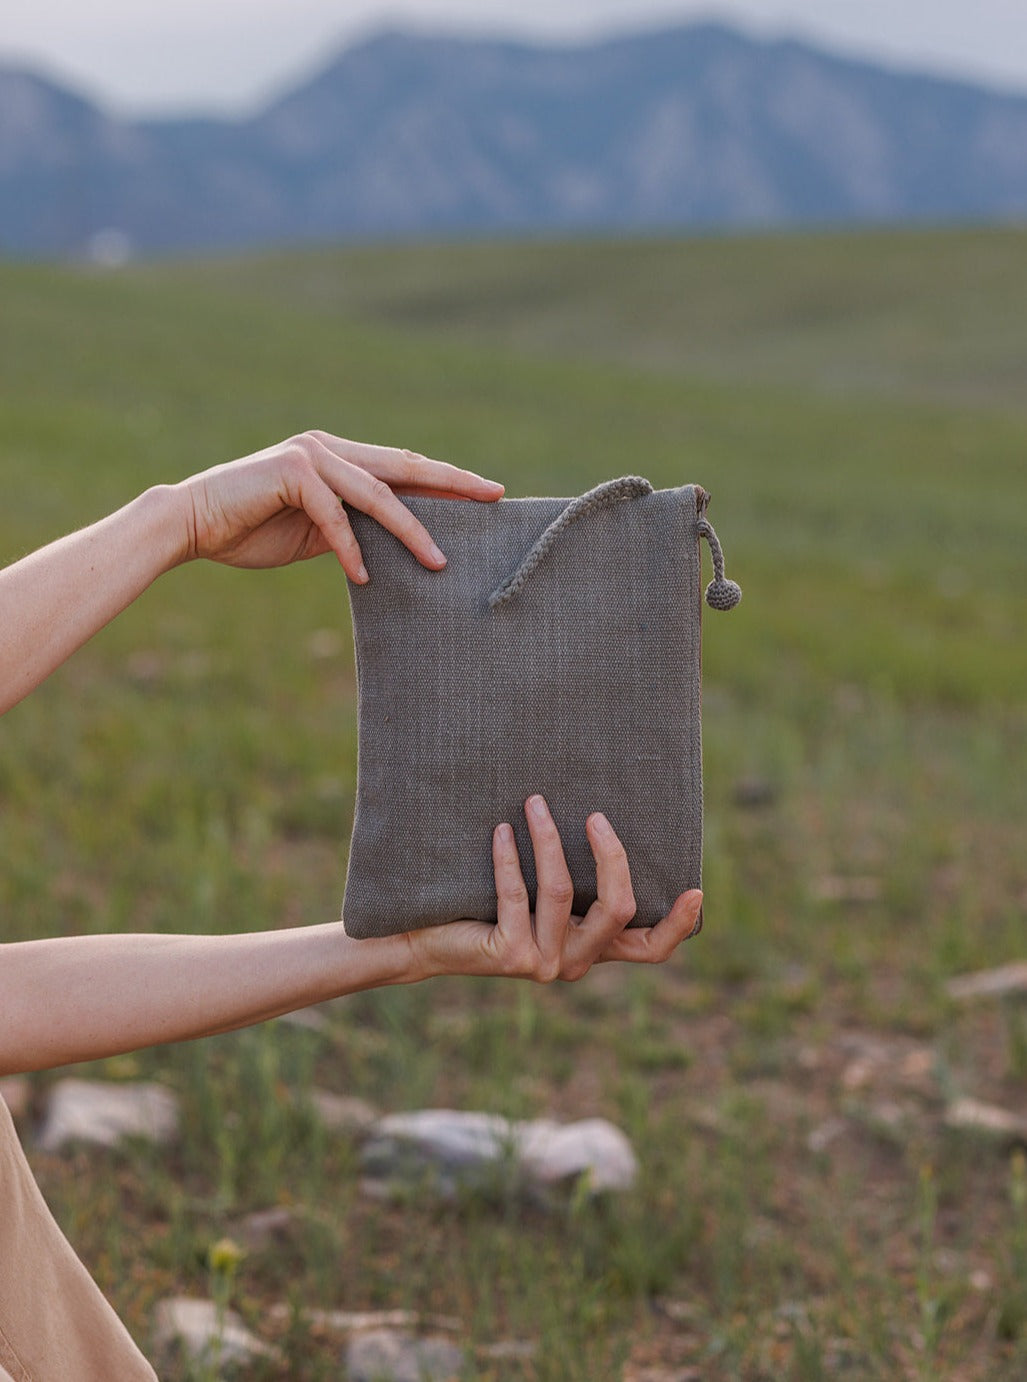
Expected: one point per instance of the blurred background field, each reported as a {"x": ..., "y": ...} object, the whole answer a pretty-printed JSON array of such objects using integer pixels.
[{"x": 857, "y": 405}]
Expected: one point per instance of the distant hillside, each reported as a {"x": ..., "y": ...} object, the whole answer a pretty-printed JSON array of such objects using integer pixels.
[{"x": 408, "y": 135}]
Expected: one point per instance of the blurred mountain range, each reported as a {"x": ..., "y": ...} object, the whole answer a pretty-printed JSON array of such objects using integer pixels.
[{"x": 410, "y": 135}]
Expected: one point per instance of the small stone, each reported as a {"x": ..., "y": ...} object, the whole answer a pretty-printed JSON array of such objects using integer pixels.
[
  {"x": 856, "y": 890},
  {"x": 195, "y": 1328},
  {"x": 753, "y": 793},
  {"x": 825, "y": 1133},
  {"x": 888, "y": 1117},
  {"x": 989, "y": 1120},
  {"x": 102, "y": 1113},
  {"x": 16, "y": 1092},
  {"x": 343, "y": 1112},
  {"x": 266, "y": 1227},
  {"x": 360, "y": 1321},
  {"x": 325, "y": 644},
  {"x": 858, "y": 1073},
  {"x": 306, "y": 1019},
  {"x": 386, "y": 1355},
  {"x": 509, "y": 1350},
  {"x": 990, "y": 983}
]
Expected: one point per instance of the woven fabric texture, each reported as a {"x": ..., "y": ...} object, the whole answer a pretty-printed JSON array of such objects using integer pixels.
[{"x": 582, "y": 684}]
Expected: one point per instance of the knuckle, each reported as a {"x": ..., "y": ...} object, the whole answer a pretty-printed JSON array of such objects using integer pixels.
[
  {"x": 561, "y": 892},
  {"x": 512, "y": 892},
  {"x": 379, "y": 493},
  {"x": 305, "y": 446},
  {"x": 298, "y": 457},
  {"x": 658, "y": 948},
  {"x": 624, "y": 906}
]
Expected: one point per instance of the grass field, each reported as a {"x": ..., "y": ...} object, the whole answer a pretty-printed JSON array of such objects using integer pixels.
[{"x": 857, "y": 404}]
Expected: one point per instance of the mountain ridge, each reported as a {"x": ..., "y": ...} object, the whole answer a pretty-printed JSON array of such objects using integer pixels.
[{"x": 408, "y": 134}]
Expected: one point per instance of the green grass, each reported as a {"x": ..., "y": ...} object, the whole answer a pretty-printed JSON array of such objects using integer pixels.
[{"x": 857, "y": 404}]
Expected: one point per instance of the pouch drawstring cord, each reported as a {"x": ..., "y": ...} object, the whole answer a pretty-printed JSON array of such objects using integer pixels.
[
  {"x": 629, "y": 487},
  {"x": 720, "y": 593}
]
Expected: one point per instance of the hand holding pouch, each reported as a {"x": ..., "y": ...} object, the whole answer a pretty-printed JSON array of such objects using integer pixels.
[{"x": 557, "y": 652}]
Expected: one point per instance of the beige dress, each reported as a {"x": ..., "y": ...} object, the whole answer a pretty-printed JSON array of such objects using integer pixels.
[{"x": 55, "y": 1323}]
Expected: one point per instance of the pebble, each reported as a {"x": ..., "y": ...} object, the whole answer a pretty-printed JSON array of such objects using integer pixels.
[
  {"x": 266, "y": 1227},
  {"x": 990, "y": 983},
  {"x": 753, "y": 792},
  {"x": 358, "y": 1321},
  {"x": 102, "y": 1113},
  {"x": 343, "y": 1112},
  {"x": 388, "y": 1355},
  {"x": 989, "y": 1120}
]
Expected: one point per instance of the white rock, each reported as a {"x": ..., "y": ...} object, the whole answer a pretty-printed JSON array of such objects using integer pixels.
[
  {"x": 990, "y": 983},
  {"x": 509, "y": 1350},
  {"x": 544, "y": 1151},
  {"x": 343, "y": 1112},
  {"x": 821, "y": 1137},
  {"x": 193, "y": 1327},
  {"x": 386, "y": 1355},
  {"x": 971, "y": 1115},
  {"x": 553, "y": 1152},
  {"x": 359, "y": 1321},
  {"x": 102, "y": 1113}
]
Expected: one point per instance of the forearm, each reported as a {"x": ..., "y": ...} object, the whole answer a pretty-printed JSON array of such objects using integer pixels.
[
  {"x": 54, "y": 600},
  {"x": 84, "y": 997}
]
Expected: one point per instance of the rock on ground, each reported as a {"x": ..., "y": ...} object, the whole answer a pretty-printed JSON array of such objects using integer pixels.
[
  {"x": 990, "y": 983},
  {"x": 387, "y": 1355},
  {"x": 988, "y": 1120},
  {"x": 102, "y": 1113},
  {"x": 192, "y": 1327},
  {"x": 460, "y": 1146},
  {"x": 343, "y": 1112}
]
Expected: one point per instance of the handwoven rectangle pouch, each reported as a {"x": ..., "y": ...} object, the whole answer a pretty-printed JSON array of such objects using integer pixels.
[{"x": 557, "y": 652}]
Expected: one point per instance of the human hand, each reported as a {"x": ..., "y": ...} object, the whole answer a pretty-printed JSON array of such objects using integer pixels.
[
  {"x": 551, "y": 943},
  {"x": 286, "y": 503}
]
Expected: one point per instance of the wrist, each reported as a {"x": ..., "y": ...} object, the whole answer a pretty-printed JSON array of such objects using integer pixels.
[{"x": 167, "y": 510}]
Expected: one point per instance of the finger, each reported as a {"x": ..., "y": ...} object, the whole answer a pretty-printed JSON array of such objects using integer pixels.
[
  {"x": 321, "y": 504},
  {"x": 511, "y": 893},
  {"x": 372, "y": 496},
  {"x": 555, "y": 888},
  {"x": 615, "y": 898},
  {"x": 513, "y": 936},
  {"x": 408, "y": 472},
  {"x": 359, "y": 488},
  {"x": 653, "y": 944}
]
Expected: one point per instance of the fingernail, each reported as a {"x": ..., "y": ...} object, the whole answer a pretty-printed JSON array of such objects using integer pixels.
[
  {"x": 362, "y": 575},
  {"x": 601, "y": 823},
  {"x": 436, "y": 555},
  {"x": 504, "y": 833},
  {"x": 697, "y": 924},
  {"x": 537, "y": 806}
]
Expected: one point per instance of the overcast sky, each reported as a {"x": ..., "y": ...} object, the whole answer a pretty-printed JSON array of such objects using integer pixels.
[{"x": 139, "y": 56}]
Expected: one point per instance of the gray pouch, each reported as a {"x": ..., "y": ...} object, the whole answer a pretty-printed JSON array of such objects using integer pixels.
[{"x": 557, "y": 652}]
